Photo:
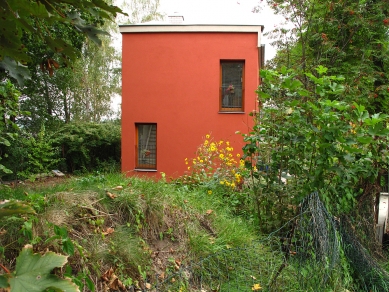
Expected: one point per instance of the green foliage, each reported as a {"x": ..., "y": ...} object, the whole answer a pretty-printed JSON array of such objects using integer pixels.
[
  {"x": 61, "y": 233},
  {"x": 140, "y": 11},
  {"x": 8, "y": 208},
  {"x": 36, "y": 18},
  {"x": 9, "y": 109},
  {"x": 87, "y": 145},
  {"x": 42, "y": 157},
  {"x": 349, "y": 37},
  {"x": 82, "y": 279},
  {"x": 306, "y": 140},
  {"x": 34, "y": 271},
  {"x": 218, "y": 171}
]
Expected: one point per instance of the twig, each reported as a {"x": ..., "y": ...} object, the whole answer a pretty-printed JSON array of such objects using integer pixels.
[
  {"x": 94, "y": 217},
  {"x": 5, "y": 269},
  {"x": 93, "y": 209}
]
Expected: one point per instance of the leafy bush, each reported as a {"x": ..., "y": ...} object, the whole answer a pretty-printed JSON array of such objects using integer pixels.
[
  {"x": 41, "y": 155},
  {"x": 214, "y": 162},
  {"x": 306, "y": 140},
  {"x": 9, "y": 109},
  {"x": 87, "y": 146},
  {"x": 219, "y": 172}
]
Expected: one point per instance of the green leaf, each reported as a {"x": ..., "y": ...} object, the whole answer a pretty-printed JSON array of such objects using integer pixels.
[
  {"x": 365, "y": 140},
  {"x": 8, "y": 208},
  {"x": 4, "y": 169},
  {"x": 68, "y": 246},
  {"x": 61, "y": 231},
  {"x": 3, "y": 281},
  {"x": 321, "y": 69},
  {"x": 17, "y": 71},
  {"x": 34, "y": 271}
]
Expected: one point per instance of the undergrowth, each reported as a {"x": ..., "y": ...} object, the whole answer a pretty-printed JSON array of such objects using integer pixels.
[{"x": 119, "y": 231}]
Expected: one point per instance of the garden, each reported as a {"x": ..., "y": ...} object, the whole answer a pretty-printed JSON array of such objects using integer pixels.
[{"x": 294, "y": 210}]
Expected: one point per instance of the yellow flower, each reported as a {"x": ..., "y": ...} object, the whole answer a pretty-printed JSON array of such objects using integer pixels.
[
  {"x": 188, "y": 167},
  {"x": 206, "y": 142},
  {"x": 222, "y": 182},
  {"x": 221, "y": 155},
  {"x": 228, "y": 143},
  {"x": 201, "y": 161},
  {"x": 256, "y": 287},
  {"x": 209, "y": 192},
  {"x": 232, "y": 185},
  {"x": 238, "y": 155},
  {"x": 207, "y": 136},
  {"x": 221, "y": 142}
]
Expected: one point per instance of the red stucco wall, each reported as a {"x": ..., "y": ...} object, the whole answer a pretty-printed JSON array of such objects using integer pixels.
[{"x": 172, "y": 79}]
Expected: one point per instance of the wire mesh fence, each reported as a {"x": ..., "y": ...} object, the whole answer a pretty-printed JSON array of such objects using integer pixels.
[{"x": 312, "y": 252}]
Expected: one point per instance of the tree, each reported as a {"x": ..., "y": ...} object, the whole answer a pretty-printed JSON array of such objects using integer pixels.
[
  {"x": 323, "y": 122},
  {"x": 37, "y": 18},
  {"x": 140, "y": 11},
  {"x": 99, "y": 72},
  {"x": 9, "y": 109},
  {"x": 349, "y": 37}
]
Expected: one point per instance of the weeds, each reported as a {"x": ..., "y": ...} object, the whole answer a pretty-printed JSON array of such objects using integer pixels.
[{"x": 135, "y": 235}]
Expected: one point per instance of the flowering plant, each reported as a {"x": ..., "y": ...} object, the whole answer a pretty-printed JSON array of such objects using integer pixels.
[
  {"x": 215, "y": 161},
  {"x": 230, "y": 88}
]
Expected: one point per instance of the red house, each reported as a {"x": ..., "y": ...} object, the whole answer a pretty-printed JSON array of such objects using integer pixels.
[{"x": 181, "y": 82}]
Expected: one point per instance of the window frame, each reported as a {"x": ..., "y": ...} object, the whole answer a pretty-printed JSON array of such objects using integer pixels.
[
  {"x": 222, "y": 93},
  {"x": 145, "y": 166}
]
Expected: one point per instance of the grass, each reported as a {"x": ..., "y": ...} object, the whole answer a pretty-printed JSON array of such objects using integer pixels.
[
  {"x": 146, "y": 234},
  {"x": 143, "y": 231}
]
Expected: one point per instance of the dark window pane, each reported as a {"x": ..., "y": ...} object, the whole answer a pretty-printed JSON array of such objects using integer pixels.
[
  {"x": 232, "y": 85},
  {"x": 147, "y": 146}
]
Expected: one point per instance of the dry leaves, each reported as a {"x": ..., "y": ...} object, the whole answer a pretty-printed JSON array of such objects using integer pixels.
[
  {"x": 108, "y": 231},
  {"x": 209, "y": 212},
  {"x": 112, "y": 281},
  {"x": 110, "y": 195}
]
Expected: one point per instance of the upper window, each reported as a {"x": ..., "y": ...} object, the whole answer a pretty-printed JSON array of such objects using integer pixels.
[
  {"x": 146, "y": 146},
  {"x": 231, "y": 86}
]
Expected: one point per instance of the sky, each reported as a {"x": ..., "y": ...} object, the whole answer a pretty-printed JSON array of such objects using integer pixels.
[
  {"x": 213, "y": 11},
  {"x": 221, "y": 12}
]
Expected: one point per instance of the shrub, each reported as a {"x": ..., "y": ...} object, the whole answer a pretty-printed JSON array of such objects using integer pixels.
[
  {"x": 214, "y": 162},
  {"x": 85, "y": 146}
]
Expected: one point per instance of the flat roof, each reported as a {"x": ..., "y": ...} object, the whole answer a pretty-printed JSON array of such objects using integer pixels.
[{"x": 164, "y": 27}]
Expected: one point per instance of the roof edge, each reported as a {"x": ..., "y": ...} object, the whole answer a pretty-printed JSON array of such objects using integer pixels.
[{"x": 139, "y": 28}]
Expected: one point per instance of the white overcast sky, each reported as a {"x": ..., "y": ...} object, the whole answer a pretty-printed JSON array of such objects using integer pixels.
[{"x": 222, "y": 12}]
